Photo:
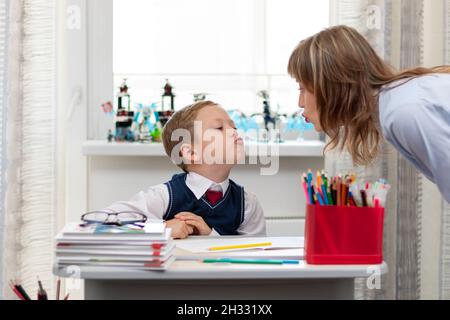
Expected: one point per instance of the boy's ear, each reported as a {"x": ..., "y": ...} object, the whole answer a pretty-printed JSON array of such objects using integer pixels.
[{"x": 189, "y": 154}]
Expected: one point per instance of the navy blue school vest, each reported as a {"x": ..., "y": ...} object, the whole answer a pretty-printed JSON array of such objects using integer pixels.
[{"x": 224, "y": 217}]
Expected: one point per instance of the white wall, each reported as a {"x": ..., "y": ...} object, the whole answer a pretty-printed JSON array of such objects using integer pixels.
[{"x": 119, "y": 178}]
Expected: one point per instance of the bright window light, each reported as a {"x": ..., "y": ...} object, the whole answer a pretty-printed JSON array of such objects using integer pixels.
[{"x": 230, "y": 49}]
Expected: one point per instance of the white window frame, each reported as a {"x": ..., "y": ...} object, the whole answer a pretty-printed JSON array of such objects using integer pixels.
[
  {"x": 72, "y": 87},
  {"x": 100, "y": 64}
]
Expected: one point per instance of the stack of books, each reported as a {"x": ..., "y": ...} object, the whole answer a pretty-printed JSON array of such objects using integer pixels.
[{"x": 145, "y": 247}]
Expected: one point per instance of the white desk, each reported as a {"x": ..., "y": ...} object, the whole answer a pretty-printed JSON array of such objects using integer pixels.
[{"x": 188, "y": 280}]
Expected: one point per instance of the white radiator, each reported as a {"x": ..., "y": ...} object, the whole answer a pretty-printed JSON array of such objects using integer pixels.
[{"x": 283, "y": 227}]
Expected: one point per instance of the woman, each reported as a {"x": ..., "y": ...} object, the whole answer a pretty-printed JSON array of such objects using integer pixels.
[{"x": 355, "y": 98}]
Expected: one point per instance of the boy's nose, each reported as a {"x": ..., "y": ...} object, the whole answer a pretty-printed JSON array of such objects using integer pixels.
[{"x": 235, "y": 134}]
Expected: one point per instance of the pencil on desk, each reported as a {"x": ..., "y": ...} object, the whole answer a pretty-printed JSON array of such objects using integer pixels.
[
  {"x": 251, "y": 261},
  {"x": 241, "y": 246}
]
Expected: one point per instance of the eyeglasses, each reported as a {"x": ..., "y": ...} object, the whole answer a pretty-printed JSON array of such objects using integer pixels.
[{"x": 114, "y": 218}]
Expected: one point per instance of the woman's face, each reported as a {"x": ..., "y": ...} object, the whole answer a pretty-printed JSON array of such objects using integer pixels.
[{"x": 307, "y": 102}]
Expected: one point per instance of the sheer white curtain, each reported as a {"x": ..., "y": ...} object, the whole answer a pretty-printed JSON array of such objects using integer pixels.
[
  {"x": 402, "y": 242},
  {"x": 444, "y": 290},
  {"x": 414, "y": 272},
  {"x": 355, "y": 13},
  {"x": 30, "y": 145},
  {"x": 3, "y": 24}
]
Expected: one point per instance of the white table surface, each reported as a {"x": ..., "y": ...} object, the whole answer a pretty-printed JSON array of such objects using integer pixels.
[{"x": 197, "y": 270}]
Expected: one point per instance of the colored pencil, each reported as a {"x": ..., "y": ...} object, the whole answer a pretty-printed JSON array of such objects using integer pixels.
[
  {"x": 241, "y": 246},
  {"x": 251, "y": 261}
]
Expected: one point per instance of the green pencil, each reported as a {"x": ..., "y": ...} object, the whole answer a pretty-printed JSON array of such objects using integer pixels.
[{"x": 251, "y": 261}]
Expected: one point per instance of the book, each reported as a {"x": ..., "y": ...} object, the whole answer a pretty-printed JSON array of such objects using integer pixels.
[
  {"x": 80, "y": 230},
  {"x": 116, "y": 258},
  {"x": 116, "y": 250},
  {"x": 92, "y": 238},
  {"x": 146, "y": 247},
  {"x": 149, "y": 265},
  {"x": 157, "y": 245}
]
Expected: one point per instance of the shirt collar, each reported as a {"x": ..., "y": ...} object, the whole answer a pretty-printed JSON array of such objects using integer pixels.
[{"x": 199, "y": 184}]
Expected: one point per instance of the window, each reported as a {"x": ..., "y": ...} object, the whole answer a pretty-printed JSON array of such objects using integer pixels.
[{"x": 230, "y": 49}]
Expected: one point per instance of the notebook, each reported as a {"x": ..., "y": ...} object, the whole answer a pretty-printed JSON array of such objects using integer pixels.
[
  {"x": 116, "y": 250},
  {"x": 286, "y": 248},
  {"x": 202, "y": 245},
  {"x": 149, "y": 265},
  {"x": 92, "y": 238}
]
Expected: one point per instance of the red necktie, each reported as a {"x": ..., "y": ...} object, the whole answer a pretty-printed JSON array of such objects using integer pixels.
[{"x": 213, "y": 196}]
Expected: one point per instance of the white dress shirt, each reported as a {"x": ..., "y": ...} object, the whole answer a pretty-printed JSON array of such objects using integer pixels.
[{"x": 155, "y": 202}]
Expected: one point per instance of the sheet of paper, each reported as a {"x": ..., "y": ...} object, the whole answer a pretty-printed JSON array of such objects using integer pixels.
[
  {"x": 202, "y": 245},
  {"x": 283, "y": 254},
  {"x": 154, "y": 227}
]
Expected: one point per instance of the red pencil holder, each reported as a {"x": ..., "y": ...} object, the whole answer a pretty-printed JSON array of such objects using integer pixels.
[{"x": 344, "y": 235}]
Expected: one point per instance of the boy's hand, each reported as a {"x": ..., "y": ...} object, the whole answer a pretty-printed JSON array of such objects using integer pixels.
[
  {"x": 180, "y": 229},
  {"x": 195, "y": 221}
]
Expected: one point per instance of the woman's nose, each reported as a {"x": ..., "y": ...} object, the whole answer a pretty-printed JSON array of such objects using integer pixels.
[{"x": 301, "y": 102}]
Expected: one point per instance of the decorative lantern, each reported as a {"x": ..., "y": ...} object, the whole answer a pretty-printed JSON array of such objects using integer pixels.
[
  {"x": 124, "y": 99},
  {"x": 168, "y": 98}
]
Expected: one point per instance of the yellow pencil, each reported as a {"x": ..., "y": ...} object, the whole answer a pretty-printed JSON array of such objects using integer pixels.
[{"x": 241, "y": 246}]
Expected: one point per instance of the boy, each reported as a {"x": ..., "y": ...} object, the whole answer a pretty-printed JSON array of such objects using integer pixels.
[{"x": 202, "y": 200}]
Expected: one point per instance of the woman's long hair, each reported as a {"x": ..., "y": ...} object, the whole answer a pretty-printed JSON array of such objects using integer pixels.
[{"x": 345, "y": 74}]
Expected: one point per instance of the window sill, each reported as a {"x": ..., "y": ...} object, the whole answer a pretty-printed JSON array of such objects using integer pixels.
[{"x": 286, "y": 149}]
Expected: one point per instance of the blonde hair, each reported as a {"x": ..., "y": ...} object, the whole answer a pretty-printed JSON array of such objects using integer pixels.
[
  {"x": 345, "y": 74},
  {"x": 183, "y": 119}
]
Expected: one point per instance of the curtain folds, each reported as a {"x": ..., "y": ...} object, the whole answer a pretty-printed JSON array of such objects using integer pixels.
[
  {"x": 402, "y": 236},
  {"x": 3, "y": 63},
  {"x": 444, "y": 277},
  {"x": 30, "y": 201}
]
